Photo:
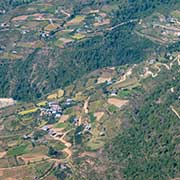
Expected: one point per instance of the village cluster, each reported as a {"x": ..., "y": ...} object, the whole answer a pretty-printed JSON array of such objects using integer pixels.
[{"x": 62, "y": 27}]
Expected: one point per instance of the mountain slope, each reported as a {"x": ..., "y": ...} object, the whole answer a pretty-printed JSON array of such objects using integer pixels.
[{"x": 36, "y": 64}]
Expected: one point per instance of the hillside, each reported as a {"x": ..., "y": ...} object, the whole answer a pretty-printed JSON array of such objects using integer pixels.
[
  {"x": 127, "y": 116},
  {"x": 90, "y": 90},
  {"x": 41, "y": 42}
]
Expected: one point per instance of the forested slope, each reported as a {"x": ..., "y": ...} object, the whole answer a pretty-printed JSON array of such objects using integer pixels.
[
  {"x": 46, "y": 68},
  {"x": 149, "y": 148}
]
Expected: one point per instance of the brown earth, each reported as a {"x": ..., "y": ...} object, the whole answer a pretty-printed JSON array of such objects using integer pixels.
[
  {"x": 34, "y": 157},
  {"x": 64, "y": 118},
  {"x": 98, "y": 115},
  {"x": 2, "y": 154},
  {"x": 117, "y": 102}
]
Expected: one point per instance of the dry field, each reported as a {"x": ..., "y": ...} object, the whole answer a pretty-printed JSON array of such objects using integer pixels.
[
  {"x": 76, "y": 20},
  {"x": 98, "y": 115},
  {"x": 17, "y": 173},
  {"x": 66, "y": 40},
  {"x": 4, "y": 102},
  {"x": 103, "y": 80},
  {"x": 2, "y": 154},
  {"x": 33, "y": 157},
  {"x": 104, "y": 22},
  {"x": 20, "y": 18},
  {"x": 64, "y": 118},
  {"x": 117, "y": 102},
  {"x": 90, "y": 154}
]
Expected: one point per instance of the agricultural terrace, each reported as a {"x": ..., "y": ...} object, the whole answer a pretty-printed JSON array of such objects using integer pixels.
[{"x": 35, "y": 26}]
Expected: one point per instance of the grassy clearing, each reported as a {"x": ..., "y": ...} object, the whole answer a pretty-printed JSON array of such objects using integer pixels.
[
  {"x": 96, "y": 105},
  {"x": 35, "y": 44},
  {"x": 129, "y": 83},
  {"x": 92, "y": 117},
  {"x": 42, "y": 167},
  {"x": 42, "y": 103},
  {"x": 61, "y": 125},
  {"x": 76, "y": 20},
  {"x": 11, "y": 56},
  {"x": 78, "y": 36},
  {"x": 95, "y": 144},
  {"x": 29, "y": 111},
  {"x": 176, "y": 14},
  {"x": 56, "y": 144},
  {"x": 56, "y": 95},
  {"x": 124, "y": 93},
  {"x": 18, "y": 150},
  {"x": 51, "y": 27},
  {"x": 112, "y": 108},
  {"x": 27, "y": 119}
]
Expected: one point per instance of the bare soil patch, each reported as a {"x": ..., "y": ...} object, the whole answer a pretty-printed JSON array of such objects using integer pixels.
[
  {"x": 103, "y": 79},
  {"x": 66, "y": 40},
  {"x": 4, "y": 102},
  {"x": 90, "y": 154},
  {"x": 117, "y": 102},
  {"x": 34, "y": 157},
  {"x": 64, "y": 118},
  {"x": 24, "y": 17},
  {"x": 98, "y": 115},
  {"x": 1, "y": 173},
  {"x": 86, "y": 110},
  {"x": 2, "y": 154},
  {"x": 20, "y": 18}
]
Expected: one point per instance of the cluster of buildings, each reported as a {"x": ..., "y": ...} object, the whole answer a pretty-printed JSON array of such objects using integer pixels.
[
  {"x": 52, "y": 109},
  {"x": 44, "y": 34},
  {"x": 51, "y": 132}
]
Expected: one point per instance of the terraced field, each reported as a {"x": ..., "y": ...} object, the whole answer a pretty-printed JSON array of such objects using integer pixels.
[
  {"x": 94, "y": 87},
  {"x": 77, "y": 127}
]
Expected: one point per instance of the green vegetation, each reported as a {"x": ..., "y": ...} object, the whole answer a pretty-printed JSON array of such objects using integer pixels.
[
  {"x": 42, "y": 168},
  {"x": 112, "y": 108},
  {"x": 62, "y": 174},
  {"x": 92, "y": 117},
  {"x": 115, "y": 47},
  {"x": 124, "y": 93},
  {"x": 148, "y": 148},
  {"x": 39, "y": 134},
  {"x": 18, "y": 150},
  {"x": 61, "y": 125},
  {"x": 29, "y": 111},
  {"x": 54, "y": 53}
]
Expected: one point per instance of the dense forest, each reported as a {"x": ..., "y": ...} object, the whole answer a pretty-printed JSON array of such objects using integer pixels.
[
  {"x": 148, "y": 148},
  {"x": 115, "y": 48},
  {"x": 7, "y": 4}
]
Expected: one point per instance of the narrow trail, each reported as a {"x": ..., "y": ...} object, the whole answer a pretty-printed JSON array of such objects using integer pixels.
[
  {"x": 174, "y": 110},
  {"x": 86, "y": 106},
  {"x": 68, "y": 145},
  {"x": 65, "y": 13},
  {"x": 121, "y": 24},
  {"x": 85, "y": 110},
  {"x": 124, "y": 77},
  {"x": 157, "y": 66},
  {"x": 48, "y": 172}
]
